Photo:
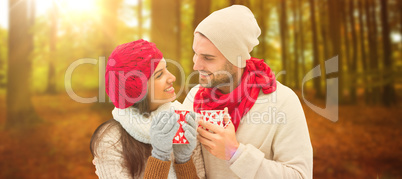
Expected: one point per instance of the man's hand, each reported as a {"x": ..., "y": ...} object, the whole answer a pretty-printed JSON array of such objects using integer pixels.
[{"x": 222, "y": 142}]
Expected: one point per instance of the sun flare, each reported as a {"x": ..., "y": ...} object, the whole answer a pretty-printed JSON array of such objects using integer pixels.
[
  {"x": 78, "y": 5},
  {"x": 67, "y": 6}
]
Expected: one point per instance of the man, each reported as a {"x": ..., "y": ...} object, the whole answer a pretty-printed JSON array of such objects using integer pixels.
[{"x": 268, "y": 135}]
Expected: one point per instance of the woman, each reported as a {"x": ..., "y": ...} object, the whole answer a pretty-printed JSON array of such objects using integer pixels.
[{"x": 137, "y": 142}]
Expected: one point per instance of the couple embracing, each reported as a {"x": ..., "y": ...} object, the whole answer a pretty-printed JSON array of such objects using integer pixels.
[{"x": 138, "y": 141}]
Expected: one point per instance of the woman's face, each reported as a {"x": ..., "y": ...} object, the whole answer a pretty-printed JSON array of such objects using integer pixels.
[{"x": 160, "y": 86}]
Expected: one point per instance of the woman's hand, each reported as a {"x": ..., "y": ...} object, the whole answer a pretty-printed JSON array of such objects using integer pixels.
[
  {"x": 163, "y": 128},
  {"x": 183, "y": 152}
]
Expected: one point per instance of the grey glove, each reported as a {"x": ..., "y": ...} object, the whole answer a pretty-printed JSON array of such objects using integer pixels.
[
  {"x": 183, "y": 152},
  {"x": 163, "y": 128}
]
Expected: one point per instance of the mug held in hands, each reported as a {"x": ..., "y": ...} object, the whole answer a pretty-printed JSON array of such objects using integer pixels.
[
  {"x": 179, "y": 138},
  {"x": 214, "y": 117}
]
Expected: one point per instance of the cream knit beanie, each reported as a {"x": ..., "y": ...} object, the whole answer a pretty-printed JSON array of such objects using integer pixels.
[{"x": 234, "y": 31}]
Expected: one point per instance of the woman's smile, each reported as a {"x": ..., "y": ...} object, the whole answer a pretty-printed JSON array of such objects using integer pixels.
[{"x": 169, "y": 89}]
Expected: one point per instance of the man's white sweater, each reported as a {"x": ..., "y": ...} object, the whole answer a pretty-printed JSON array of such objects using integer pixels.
[{"x": 274, "y": 140}]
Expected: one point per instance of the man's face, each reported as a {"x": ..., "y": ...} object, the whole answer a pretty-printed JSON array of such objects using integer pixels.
[{"x": 214, "y": 69}]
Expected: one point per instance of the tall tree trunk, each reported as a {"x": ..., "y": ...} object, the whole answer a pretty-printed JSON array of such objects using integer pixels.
[
  {"x": 165, "y": 32},
  {"x": 296, "y": 19},
  {"x": 139, "y": 14},
  {"x": 109, "y": 25},
  {"x": 400, "y": 15},
  {"x": 388, "y": 88},
  {"x": 240, "y": 2},
  {"x": 20, "y": 111},
  {"x": 334, "y": 26},
  {"x": 353, "y": 60},
  {"x": 2, "y": 73},
  {"x": 3, "y": 61},
  {"x": 164, "y": 27},
  {"x": 363, "y": 56},
  {"x": 108, "y": 42},
  {"x": 303, "y": 64},
  {"x": 346, "y": 55},
  {"x": 202, "y": 9},
  {"x": 373, "y": 89},
  {"x": 323, "y": 9},
  {"x": 326, "y": 37},
  {"x": 178, "y": 31},
  {"x": 334, "y": 29},
  {"x": 178, "y": 50},
  {"x": 51, "y": 86},
  {"x": 345, "y": 23},
  {"x": 284, "y": 37},
  {"x": 263, "y": 12},
  {"x": 316, "y": 62}
]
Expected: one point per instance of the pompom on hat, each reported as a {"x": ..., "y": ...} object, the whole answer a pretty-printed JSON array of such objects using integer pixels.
[
  {"x": 234, "y": 31},
  {"x": 127, "y": 72}
]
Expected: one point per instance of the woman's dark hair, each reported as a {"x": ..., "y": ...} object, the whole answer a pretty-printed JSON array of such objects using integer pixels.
[{"x": 135, "y": 153}]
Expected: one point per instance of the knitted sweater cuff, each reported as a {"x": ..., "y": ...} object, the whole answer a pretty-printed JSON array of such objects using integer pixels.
[
  {"x": 185, "y": 170},
  {"x": 156, "y": 168}
]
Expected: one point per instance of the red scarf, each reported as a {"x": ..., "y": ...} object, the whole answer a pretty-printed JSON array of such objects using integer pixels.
[{"x": 257, "y": 75}]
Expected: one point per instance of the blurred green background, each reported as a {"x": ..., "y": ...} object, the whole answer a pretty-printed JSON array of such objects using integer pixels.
[{"x": 45, "y": 131}]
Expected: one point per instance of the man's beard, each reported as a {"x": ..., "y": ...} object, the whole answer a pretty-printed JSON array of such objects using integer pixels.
[{"x": 221, "y": 78}]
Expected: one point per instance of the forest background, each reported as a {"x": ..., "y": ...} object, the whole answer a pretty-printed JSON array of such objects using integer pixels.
[{"x": 53, "y": 53}]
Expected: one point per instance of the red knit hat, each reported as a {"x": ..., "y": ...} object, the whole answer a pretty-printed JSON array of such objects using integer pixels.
[{"x": 127, "y": 71}]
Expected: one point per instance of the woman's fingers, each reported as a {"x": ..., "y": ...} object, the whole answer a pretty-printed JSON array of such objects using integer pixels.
[
  {"x": 190, "y": 119},
  {"x": 174, "y": 130},
  {"x": 170, "y": 124},
  {"x": 158, "y": 122},
  {"x": 190, "y": 135},
  {"x": 190, "y": 129}
]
